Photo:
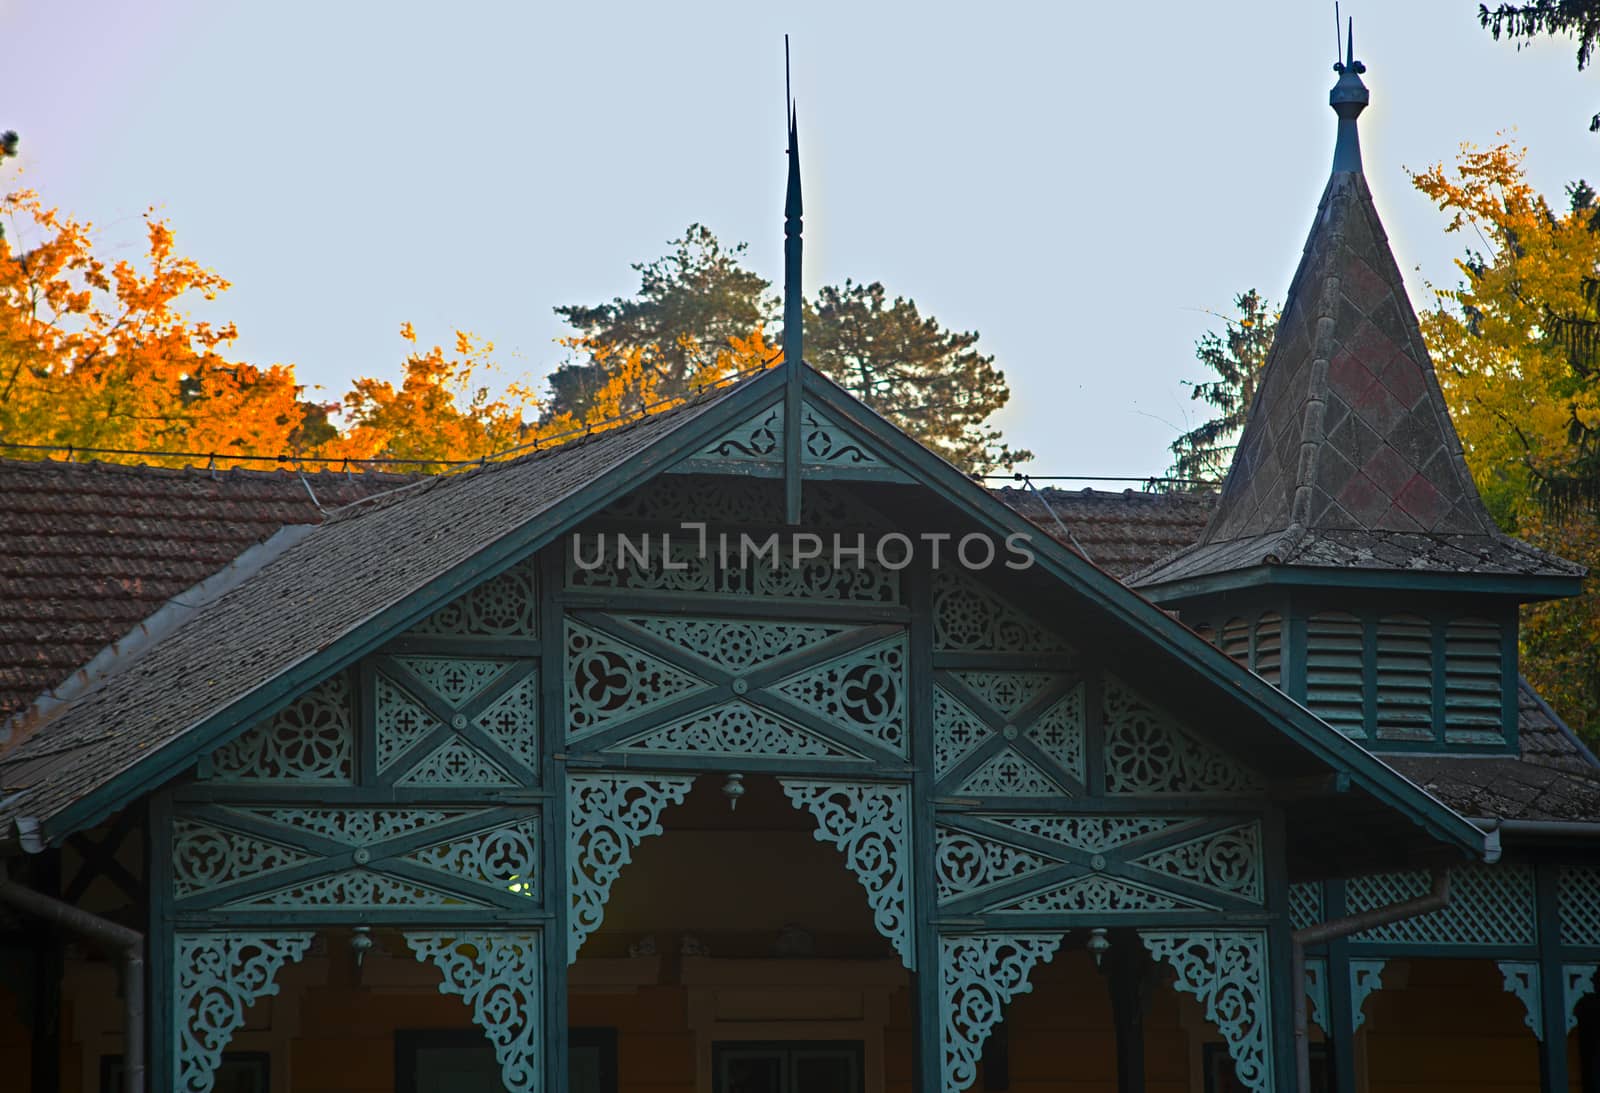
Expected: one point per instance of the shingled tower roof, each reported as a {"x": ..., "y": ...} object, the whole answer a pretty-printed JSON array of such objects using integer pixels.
[{"x": 1348, "y": 457}]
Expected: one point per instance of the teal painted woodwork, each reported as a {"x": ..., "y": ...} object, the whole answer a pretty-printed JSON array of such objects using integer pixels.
[
  {"x": 1424, "y": 678},
  {"x": 1148, "y": 752},
  {"x": 312, "y": 739},
  {"x": 1490, "y": 906},
  {"x": 1366, "y": 978},
  {"x": 217, "y": 977},
  {"x": 499, "y": 975},
  {"x": 968, "y": 617},
  {"x": 978, "y": 975},
  {"x": 1227, "y": 972}
]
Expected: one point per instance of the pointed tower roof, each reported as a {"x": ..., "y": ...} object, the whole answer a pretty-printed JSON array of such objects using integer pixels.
[{"x": 1348, "y": 458}]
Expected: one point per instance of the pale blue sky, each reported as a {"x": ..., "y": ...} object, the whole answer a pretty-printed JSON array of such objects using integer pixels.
[{"x": 1077, "y": 184}]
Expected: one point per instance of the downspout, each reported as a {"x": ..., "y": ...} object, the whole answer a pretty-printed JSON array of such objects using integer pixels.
[
  {"x": 131, "y": 944},
  {"x": 1437, "y": 897}
]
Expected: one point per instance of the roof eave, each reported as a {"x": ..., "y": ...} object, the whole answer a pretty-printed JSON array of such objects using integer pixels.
[{"x": 1523, "y": 588}]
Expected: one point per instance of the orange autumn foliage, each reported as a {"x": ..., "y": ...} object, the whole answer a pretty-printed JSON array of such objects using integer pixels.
[
  {"x": 105, "y": 357},
  {"x": 100, "y": 357}
]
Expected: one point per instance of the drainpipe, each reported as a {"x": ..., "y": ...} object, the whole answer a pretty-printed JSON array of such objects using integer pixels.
[
  {"x": 131, "y": 944},
  {"x": 1437, "y": 897}
]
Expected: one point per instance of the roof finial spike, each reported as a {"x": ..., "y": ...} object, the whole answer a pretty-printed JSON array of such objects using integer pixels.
[
  {"x": 793, "y": 308},
  {"x": 1348, "y": 98}
]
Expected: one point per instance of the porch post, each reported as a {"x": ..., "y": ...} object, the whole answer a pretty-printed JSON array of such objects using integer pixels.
[
  {"x": 1341, "y": 1029},
  {"x": 928, "y": 1064},
  {"x": 1128, "y": 983},
  {"x": 553, "y": 776},
  {"x": 1552, "y": 982}
]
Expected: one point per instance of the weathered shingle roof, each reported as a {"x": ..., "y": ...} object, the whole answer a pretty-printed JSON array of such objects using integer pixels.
[
  {"x": 300, "y": 602},
  {"x": 1554, "y": 777},
  {"x": 1348, "y": 458},
  {"x": 1121, "y": 532},
  {"x": 91, "y": 549}
]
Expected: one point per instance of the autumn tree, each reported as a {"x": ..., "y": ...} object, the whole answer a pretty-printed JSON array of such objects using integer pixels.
[
  {"x": 699, "y": 304},
  {"x": 104, "y": 356},
  {"x": 1523, "y": 382},
  {"x": 1576, "y": 19},
  {"x": 1236, "y": 357}
]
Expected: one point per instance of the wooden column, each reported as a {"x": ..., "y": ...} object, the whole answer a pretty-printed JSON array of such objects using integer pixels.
[
  {"x": 1552, "y": 992},
  {"x": 1127, "y": 970}
]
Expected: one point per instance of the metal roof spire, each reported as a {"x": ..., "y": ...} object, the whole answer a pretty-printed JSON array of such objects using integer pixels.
[
  {"x": 793, "y": 308},
  {"x": 1348, "y": 98}
]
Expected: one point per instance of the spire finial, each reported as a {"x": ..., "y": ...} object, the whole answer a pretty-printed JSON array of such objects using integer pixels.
[
  {"x": 1348, "y": 98},
  {"x": 793, "y": 307}
]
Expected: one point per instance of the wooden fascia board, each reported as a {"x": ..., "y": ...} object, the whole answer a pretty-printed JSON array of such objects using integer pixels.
[{"x": 1524, "y": 589}]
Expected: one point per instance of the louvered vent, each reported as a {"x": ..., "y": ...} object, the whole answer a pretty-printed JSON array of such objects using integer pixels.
[
  {"x": 1333, "y": 670},
  {"x": 1234, "y": 639},
  {"x": 1472, "y": 673},
  {"x": 1269, "y": 646},
  {"x": 1405, "y": 678}
]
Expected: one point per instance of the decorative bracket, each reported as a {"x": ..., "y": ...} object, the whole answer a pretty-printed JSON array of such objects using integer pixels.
[
  {"x": 1577, "y": 980},
  {"x": 870, "y": 823},
  {"x": 499, "y": 974},
  {"x": 607, "y": 816},
  {"x": 219, "y": 976},
  {"x": 1522, "y": 979},
  {"x": 978, "y": 975},
  {"x": 1226, "y": 970},
  {"x": 1317, "y": 990},
  {"x": 1366, "y": 977}
]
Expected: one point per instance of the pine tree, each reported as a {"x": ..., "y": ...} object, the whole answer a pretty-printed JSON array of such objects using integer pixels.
[
  {"x": 1203, "y": 453},
  {"x": 1578, "y": 19}
]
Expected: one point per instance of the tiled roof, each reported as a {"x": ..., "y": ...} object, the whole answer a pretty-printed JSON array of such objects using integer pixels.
[
  {"x": 359, "y": 562},
  {"x": 91, "y": 549},
  {"x": 1348, "y": 458},
  {"x": 1121, "y": 532},
  {"x": 1554, "y": 778}
]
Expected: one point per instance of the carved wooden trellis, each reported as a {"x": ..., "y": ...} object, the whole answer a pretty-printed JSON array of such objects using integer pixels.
[
  {"x": 978, "y": 975},
  {"x": 217, "y": 977},
  {"x": 1226, "y": 971},
  {"x": 499, "y": 975}
]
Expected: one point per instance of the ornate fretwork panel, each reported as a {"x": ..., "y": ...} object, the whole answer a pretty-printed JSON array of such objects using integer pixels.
[
  {"x": 206, "y": 857},
  {"x": 730, "y": 687},
  {"x": 310, "y": 740},
  {"x": 967, "y": 617},
  {"x": 607, "y": 816},
  {"x": 980, "y": 716},
  {"x": 454, "y": 680},
  {"x": 1577, "y": 982},
  {"x": 870, "y": 824},
  {"x": 978, "y": 975},
  {"x": 965, "y": 863},
  {"x": 1228, "y": 861},
  {"x": 455, "y": 762},
  {"x": 399, "y": 722},
  {"x": 825, "y": 442},
  {"x": 492, "y": 707},
  {"x": 1148, "y": 752},
  {"x": 744, "y": 564},
  {"x": 506, "y": 606},
  {"x": 1579, "y": 902},
  {"x": 1489, "y": 905},
  {"x": 862, "y": 692},
  {"x": 735, "y": 729},
  {"x": 217, "y": 977},
  {"x": 1226, "y": 970},
  {"x": 756, "y": 440},
  {"x": 609, "y": 681},
  {"x": 499, "y": 975},
  {"x": 311, "y": 859},
  {"x": 994, "y": 863}
]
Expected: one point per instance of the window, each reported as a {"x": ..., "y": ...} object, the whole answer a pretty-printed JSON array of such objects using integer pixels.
[
  {"x": 787, "y": 1066},
  {"x": 462, "y": 1061}
]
